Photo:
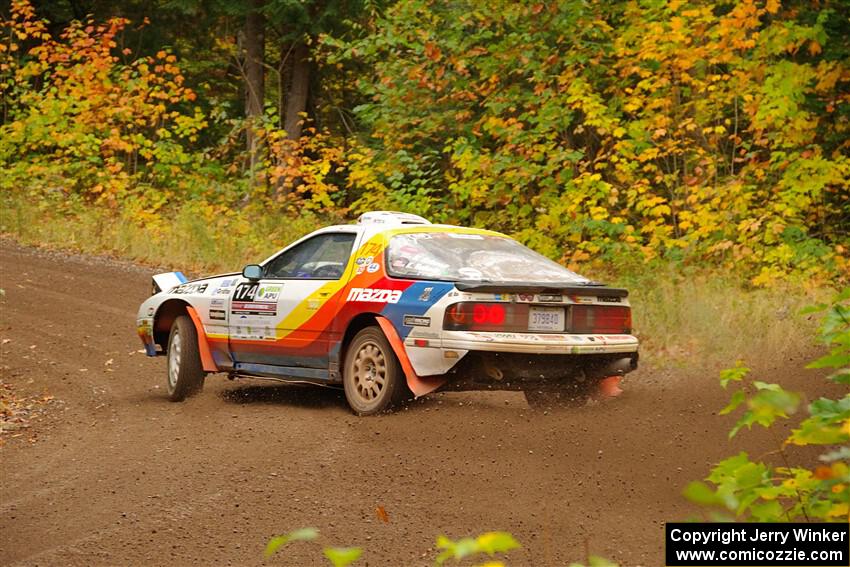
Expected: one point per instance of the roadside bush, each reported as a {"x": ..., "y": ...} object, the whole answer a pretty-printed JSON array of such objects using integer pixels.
[{"x": 760, "y": 491}]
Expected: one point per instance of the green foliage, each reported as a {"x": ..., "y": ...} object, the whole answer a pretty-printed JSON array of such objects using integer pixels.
[
  {"x": 763, "y": 492},
  {"x": 489, "y": 543},
  {"x": 590, "y": 130},
  {"x": 338, "y": 556},
  {"x": 277, "y": 542},
  {"x": 602, "y": 134},
  {"x": 342, "y": 556}
]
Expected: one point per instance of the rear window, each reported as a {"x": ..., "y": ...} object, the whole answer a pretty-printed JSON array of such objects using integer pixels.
[{"x": 451, "y": 256}]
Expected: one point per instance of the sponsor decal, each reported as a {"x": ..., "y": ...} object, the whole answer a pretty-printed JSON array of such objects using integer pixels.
[
  {"x": 373, "y": 267},
  {"x": 360, "y": 269},
  {"x": 253, "y": 308},
  {"x": 190, "y": 288},
  {"x": 417, "y": 321},
  {"x": 526, "y": 337},
  {"x": 150, "y": 311},
  {"x": 605, "y": 299},
  {"x": 246, "y": 300},
  {"x": 582, "y": 299},
  {"x": 217, "y": 304},
  {"x": 548, "y": 337},
  {"x": 313, "y": 304},
  {"x": 502, "y": 297},
  {"x": 360, "y": 261},
  {"x": 218, "y": 314},
  {"x": 222, "y": 291},
  {"x": 254, "y": 333},
  {"x": 268, "y": 293},
  {"x": 426, "y": 294},
  {"x": 374, "y": 295},
  {"x": 371, "y": 249},
  {"x": 525, "y": 297},
  {"x": 550, "y": 298}
]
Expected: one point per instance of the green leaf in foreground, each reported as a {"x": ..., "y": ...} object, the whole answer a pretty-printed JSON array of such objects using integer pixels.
[
  {"x": 736, "y": 374},
  {"x": 770, "y": 403},
  {"x": 342, "y": 556},
  {"x": 489, "y": 543},
  {"x": 700, "y": 493},
  {"x": 275, "y": 543}
]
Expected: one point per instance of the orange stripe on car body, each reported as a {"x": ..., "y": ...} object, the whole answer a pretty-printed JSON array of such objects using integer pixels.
[
  {"x": 207, "y": 361},
  {"x": 419, "y": 385}
]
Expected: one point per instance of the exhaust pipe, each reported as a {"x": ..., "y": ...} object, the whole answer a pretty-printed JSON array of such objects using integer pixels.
[{"x": 619, "y": 367}]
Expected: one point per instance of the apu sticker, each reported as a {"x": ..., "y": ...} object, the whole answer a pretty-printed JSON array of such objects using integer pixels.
[{"x": 268, "y": 293}]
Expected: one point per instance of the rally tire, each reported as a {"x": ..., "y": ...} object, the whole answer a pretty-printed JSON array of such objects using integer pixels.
[
  {"x": 185, "y": 372},
  {"x": 372, "y": 376}
]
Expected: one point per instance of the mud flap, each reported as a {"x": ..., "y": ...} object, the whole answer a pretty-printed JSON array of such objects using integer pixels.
[
  {"x": 609, "y": 387},
  {"x": 419, "y": 385},
  {"x": 207, "y": 362}
]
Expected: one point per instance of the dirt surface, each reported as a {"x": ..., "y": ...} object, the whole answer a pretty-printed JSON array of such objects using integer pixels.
[{"x": 112, "y": 473}]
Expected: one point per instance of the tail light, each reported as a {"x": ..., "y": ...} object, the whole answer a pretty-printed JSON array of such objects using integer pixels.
[
  {"x": 605, "y": 319},
  {"x": 514, "y": 317},
  {"x": 477, "y": 317}
]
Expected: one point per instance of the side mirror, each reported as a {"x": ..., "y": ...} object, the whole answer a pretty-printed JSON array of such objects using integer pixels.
[{"x": 252, "y": 272}]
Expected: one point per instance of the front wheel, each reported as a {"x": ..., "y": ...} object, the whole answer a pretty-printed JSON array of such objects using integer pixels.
[
  {"x": 372, "y": 376},
  {"x": 185, "y": 371}
]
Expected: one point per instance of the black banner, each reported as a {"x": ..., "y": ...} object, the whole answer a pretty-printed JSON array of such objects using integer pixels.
[{"x": 761, "y": 545}]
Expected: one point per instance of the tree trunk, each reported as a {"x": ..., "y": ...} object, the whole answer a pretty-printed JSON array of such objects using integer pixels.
[
  {"x": 299, "y": 90},
  {"x": 254, "y": 74}
]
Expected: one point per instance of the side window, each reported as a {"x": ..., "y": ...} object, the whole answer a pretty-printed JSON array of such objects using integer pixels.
[{"x": 323, "y": 257}]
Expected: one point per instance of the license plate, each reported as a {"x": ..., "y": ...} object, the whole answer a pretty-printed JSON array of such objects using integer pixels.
[{"x": 546, "y": 319}]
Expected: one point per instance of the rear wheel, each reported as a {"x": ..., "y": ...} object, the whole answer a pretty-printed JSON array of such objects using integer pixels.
[
  {"x": 372, "y": 376},
  {"x": 185, "y": 372}
]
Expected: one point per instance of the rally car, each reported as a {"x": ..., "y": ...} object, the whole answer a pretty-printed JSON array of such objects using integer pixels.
[{"x": 390, "y": 307}]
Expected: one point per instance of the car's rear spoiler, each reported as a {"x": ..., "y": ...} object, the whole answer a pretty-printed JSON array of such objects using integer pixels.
[{"x": 596, "y": 289}]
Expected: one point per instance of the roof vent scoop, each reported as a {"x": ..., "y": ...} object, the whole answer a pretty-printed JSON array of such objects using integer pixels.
[{"x": 390, "y": 218}]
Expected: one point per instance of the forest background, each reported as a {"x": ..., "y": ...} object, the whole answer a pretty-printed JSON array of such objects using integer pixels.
[{"x": 697, "y": 152}]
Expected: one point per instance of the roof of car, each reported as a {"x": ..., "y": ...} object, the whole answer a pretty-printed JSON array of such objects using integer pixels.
[{"x": 391, "y": 229}]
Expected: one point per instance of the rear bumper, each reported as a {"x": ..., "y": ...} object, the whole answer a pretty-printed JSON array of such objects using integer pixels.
[{"x": 548, "y": 343}]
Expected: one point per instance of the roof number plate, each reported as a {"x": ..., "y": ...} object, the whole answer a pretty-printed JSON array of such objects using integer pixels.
[{"x": 546, "y": 319}]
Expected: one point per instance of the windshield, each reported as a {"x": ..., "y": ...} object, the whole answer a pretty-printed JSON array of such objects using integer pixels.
[{"x": 453, "y": 256}]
